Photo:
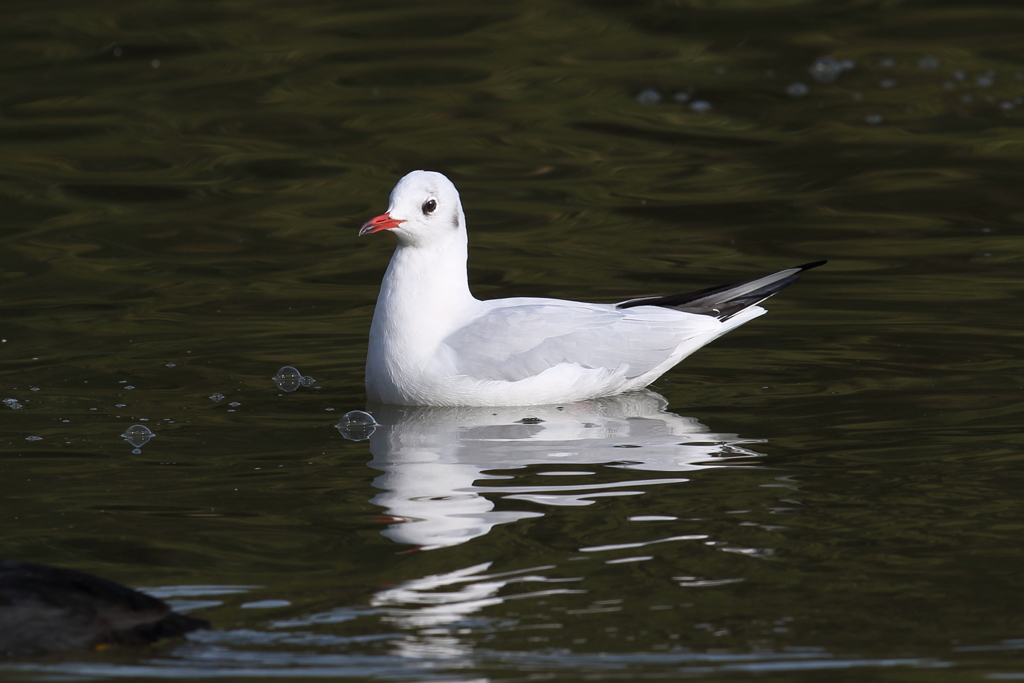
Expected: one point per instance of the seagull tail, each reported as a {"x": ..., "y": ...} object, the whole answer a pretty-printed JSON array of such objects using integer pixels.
[{"x": 725, "y": 301}]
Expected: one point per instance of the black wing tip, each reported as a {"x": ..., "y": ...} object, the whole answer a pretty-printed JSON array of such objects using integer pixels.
[{"x": 679, "y": 300}]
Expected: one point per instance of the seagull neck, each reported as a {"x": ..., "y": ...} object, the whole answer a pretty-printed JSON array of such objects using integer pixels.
[{"x": 426, "y": 281}]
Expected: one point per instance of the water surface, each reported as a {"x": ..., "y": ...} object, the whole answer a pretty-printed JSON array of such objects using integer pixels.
[{"x": 832, "y": 491}]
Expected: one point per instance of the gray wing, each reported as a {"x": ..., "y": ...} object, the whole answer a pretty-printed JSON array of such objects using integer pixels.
[{"x": 518, "y": 338}]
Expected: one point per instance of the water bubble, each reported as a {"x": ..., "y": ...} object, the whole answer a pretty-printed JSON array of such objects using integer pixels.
[
  {"x": 928, "y": 63},
  {"x": 887, "y": 83},
  {"x": 847, "y": 64},
  {"x": 873, "y": 119},
  {"x": 33, "y": 388},
  {"x": 216, "y": 398},
  {"x": 826, "y": 69},
  {"x": 966, "y": 99},
  {"x": 858, "y": 96},
  {"x": 797, "y": 89},
  {"x": 128, "y": 386},
  {"x": 287, "y": 378},
  {"x": 959, "y": 75},
  {"x": 1007, "y": 105},
  {"x": 887, "y": 63},
  {"x": 357, "y": 425},
  {"x": 700, "y": 106},
  {"x": 234, "y": 404},
  {"x": 290, "y": 379},
  {"x": 985, "y": 81},
  {"x": 357, "y": 418},
  {"x": 648, "y": 96},
  {"x": 170, "y": 365},
  {"x": 33, "y": 438},
  {"x": 681, "y": 97},
  {"x": 138, "y": 436}
]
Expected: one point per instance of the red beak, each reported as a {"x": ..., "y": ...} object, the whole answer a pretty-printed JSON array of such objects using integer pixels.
[{"x": 381, "y": 222}]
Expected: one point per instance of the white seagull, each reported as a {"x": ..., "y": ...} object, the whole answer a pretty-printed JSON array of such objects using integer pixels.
[{"x": 432, "y": 343}]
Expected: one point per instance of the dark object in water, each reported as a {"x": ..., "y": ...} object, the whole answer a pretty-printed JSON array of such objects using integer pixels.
[{"x": 48, "y": 609}]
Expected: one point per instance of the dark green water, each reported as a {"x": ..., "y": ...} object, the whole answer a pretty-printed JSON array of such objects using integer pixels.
[{"x": 834, "y": 491}]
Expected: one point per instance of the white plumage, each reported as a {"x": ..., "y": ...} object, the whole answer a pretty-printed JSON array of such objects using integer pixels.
[{"x": 433, "y": 343}]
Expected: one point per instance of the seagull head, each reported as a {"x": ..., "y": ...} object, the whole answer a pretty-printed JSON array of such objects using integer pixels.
[{"x": 424, "y": 208}]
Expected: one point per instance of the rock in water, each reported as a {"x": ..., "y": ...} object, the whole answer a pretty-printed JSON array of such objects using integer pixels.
[{"x": 49, "y": 609}]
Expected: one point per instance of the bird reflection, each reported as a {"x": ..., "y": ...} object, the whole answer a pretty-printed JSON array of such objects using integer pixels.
[
  {"x": 429, "y": 604},
  {"x": 440, "y": 464}
]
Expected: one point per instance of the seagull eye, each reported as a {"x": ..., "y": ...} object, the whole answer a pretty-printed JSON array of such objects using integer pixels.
[{"x": 429, "y": 206}]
